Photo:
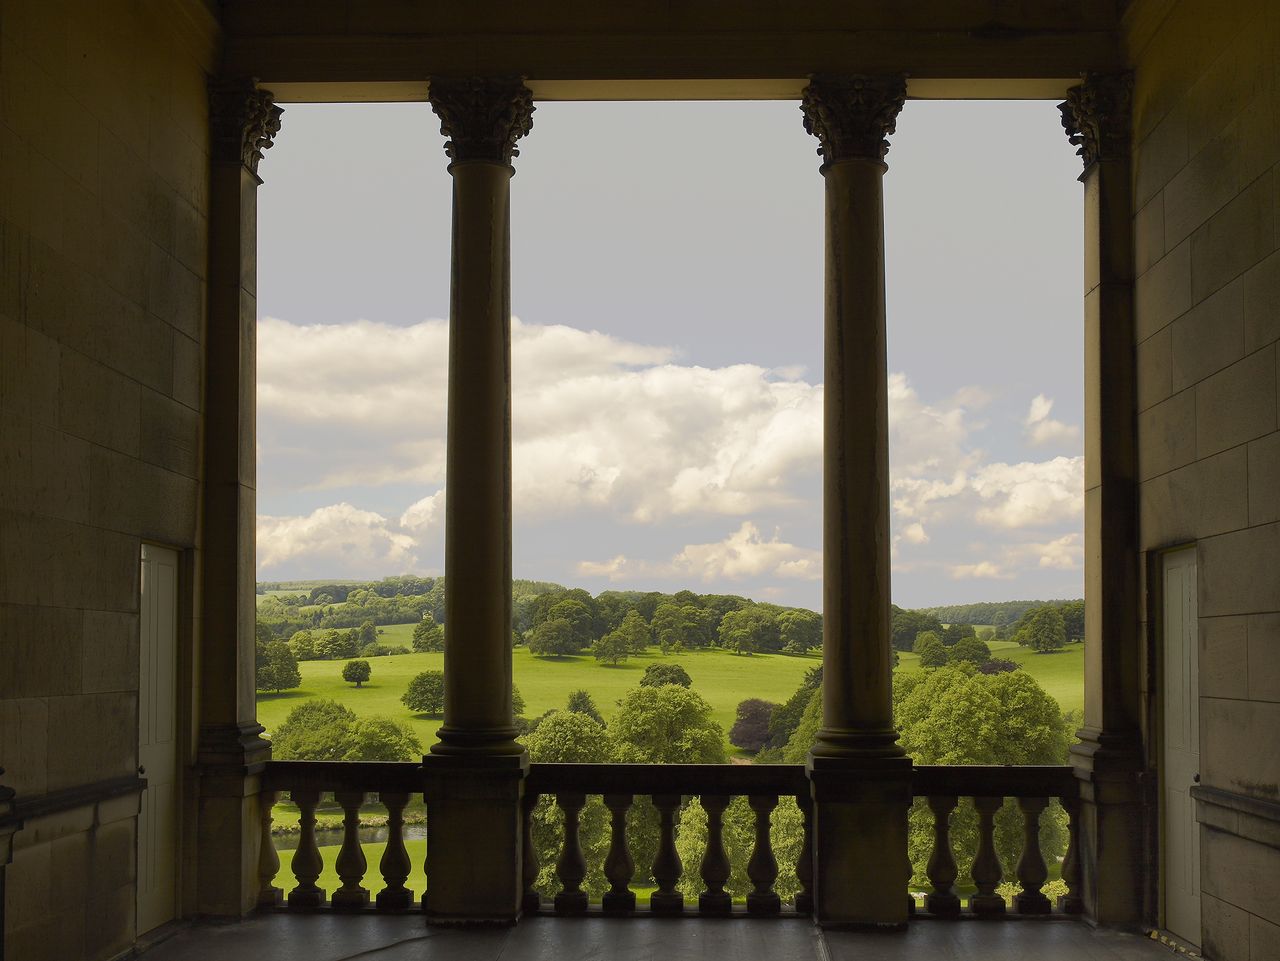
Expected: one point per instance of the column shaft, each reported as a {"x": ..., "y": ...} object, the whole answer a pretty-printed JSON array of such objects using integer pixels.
[
  {"x": 1108, "y": 758},
  {"x": 475, "y": 773},
  {"x": 477, "y": 708},
  {"x": 857, "y": 708},
  {"x": 231, "y": 749},
  {"x": 861, "y": 782}
]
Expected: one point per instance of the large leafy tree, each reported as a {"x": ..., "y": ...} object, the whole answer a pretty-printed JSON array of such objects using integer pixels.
[
  {"x": 786, "y": 716},
  {"x": 611, "y": 648},
  {"x": 425, "y": 694},
  {"x": 655, "y": 675},
  {"x": 751, "y": 727},
  {"x": 324, "y": 730},
  {"x": 800, "y": 631},
  {"x": 427, "y": 634},
  {"x": 669, "y": 724},
  {"x": 971, "y": 649},
  {"x": 356, "y": 671},
  {"x": 579, "y": 617},
  {"x": 1045, "y": 630},
  {"x": 634, "y": 632},
  {"x": 905, "y": 625},
  {"x": 750, "y": 629},
  {"x": 553, "y": 638},
  {"x": 581, "y": 702},
  {"x": 277, "y": 667}
]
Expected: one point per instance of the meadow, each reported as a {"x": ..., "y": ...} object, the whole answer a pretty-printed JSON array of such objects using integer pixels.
[{"x": 722, "y": 678}]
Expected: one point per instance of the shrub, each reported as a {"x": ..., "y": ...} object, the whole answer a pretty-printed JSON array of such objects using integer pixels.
[
  {"x": 655, "y": 675},
  {"x": 751, "y": 729}
]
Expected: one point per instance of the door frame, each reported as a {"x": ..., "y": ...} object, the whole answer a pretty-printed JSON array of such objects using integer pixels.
[
  {"x": 185, "y": 679},
  {"x": 1156, "y": 676}
]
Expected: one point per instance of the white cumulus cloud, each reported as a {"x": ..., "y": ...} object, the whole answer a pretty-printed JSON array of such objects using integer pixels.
[
  {"x": 1042, "y": 430},
  {"x": 337, "y": 538},
  {"x": 1030, "y": 494}
]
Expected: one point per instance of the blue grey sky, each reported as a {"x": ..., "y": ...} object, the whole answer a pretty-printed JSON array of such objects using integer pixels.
[{"x": 667, "y": 285}]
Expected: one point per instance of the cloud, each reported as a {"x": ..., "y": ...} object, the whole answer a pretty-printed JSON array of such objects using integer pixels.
[
  {"x": 744, "y": 554},
  {"x": 1030, "y": 494},
  {"x": 915, "y": 534},
  {"x": 337, "y": 538},
  {"x": 425, "y": 514},
  {"x": 1042, "y": 430},
  {"x": 1064, "y": 553}
]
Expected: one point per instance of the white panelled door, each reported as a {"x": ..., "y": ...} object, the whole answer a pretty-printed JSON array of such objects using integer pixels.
[
  {"x": 157, "y": 737},
  {"x": 1180, "y": 757}
]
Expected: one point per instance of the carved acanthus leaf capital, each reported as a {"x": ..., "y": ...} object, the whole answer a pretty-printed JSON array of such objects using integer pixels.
[
  {"x": 483, "y": 117},
  {"x": 1097, "y": 116},
  {"x": 852, "y": 116},
  {"x": 243, "y": 121}
]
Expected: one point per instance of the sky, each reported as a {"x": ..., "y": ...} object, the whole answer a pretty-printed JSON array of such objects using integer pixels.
[{"x": 667, "y": 349}]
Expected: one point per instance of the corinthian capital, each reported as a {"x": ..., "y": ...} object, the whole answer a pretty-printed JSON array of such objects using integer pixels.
[
  {"x": 852, "y": 116},
  {"x": 1096, "y": 116},
  {"x": 242, "y": 120},
  {"x": 483, "y": 117}
]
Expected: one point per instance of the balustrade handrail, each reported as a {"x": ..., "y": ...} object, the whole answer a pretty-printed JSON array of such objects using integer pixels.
[
  {"x": 343, "y": 776},
  {"x": 699, "y": 779},
  {"x": 995, "y": 780}
]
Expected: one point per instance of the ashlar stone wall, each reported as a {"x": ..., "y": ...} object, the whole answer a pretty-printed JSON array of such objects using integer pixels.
[
  {"x": 103, "y": 207},
  {"x": 1207, "y": 224}
]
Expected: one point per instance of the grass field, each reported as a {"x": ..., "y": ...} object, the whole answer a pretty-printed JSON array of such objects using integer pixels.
[{"x": 723, "y": 679}]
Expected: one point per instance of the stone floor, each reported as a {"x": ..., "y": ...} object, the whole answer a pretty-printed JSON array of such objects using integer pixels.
[{"x": 283, "y": 937}]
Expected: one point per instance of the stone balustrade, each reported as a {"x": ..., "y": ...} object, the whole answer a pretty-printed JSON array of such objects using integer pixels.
[
  {"x": 988, "y": 786},
  {"x": 670, "y": 787}
]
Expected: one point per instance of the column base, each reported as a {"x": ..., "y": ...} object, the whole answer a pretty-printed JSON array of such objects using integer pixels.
[
  {"x": 474, "y": 840},
  {"x": 1114, "y": 871},
  {"x": 493, "y": 742},
  {"x": 860, "y": 867},
  {"x": 229, "y": 763}
]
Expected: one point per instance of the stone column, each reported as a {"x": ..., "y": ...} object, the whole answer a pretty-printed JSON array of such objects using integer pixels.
[
  {"x": 475, "y": 772},
  {"x": 1108, "y": 759},
  {"x": 861, "y": 780},
  {"x": 243, "y": 120}
]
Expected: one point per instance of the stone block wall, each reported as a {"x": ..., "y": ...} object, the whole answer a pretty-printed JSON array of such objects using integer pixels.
[
  {"x": 103, "y": 209},
  {"x": 1207, "y": 232}
]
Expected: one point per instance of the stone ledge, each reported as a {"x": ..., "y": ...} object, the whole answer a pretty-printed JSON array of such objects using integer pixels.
[{"x": 1250, "y": 818}]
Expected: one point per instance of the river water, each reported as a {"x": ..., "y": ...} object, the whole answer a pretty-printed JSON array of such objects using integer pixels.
[{"x": 333, "y": 837}]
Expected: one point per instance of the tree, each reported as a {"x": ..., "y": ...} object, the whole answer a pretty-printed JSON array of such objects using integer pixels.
[
  {"x": 1073, "y": 619},
  {"x": 425, "y": 694},
  {"x": 997, "y": 665},
  {"x": 971, "y": 649},
  {"x": 786, "y": 716},
  {"x": 678, "y": 623},
  {"x": 634, "y": 632},
  {"x": 382, "y": 739},
  {"x": 612, "y": 648},
  {"x": 580, "y": 702},
  {"x": 324, "y": 730},
  {"x": 578, "y": 616},
  {"x": 923, "y": 638},
  {"x": 750, "y": 629},
  {"x": 368, "y": 634},
  {"x": 357, "y": 671},
  {"x": 517, "y": 700},
  {"x": 427, "y": 634},
  {"x": 1045, "y": 630},
  {"x": 655, "y": 675},
  {"x": 303, "y": 645},
  {"x": 932, "y": 653},
  {"x": 905, "y": 625},
  {"x": 953, "y": 634},
  {"x": 553, "y": 638},
  {"x": 751, "y": 728},
  {"x": 669, "y": 724},
  {"x": 278, "y": 668},
  {"x": 800, "y": 631}
]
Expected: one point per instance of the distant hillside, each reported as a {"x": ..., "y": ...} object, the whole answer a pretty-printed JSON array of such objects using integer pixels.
[{"x": 990, "y": 612}]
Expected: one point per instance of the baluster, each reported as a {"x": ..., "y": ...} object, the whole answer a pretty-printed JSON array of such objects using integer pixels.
[
  {"x": 618, "y": 866},
  {"x": 762, "y": 869},
  {"x": 804, "y": 863},
  {"x": 666, "y": 865},
  {"x": 1071, "y": 902},
  {"x": 909, "y": 868},
  {"x": 942, "y": 863},
  {"x": 715, "y": 862},
  {"x": 351, "y": 865},
  {"x": 307, "y": 863},
  {"x": 986, "y": 865},
  {"x": 572, "y": 866},
  {"x": 395, "y": 863},
  {"x": 1031, "y": 869},
  {"x": 269, "y": 896},
  {"x": 531, "y": 903}
]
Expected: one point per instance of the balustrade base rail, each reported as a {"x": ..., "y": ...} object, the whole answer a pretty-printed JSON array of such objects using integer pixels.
[{"x": 671, "y": 788}]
